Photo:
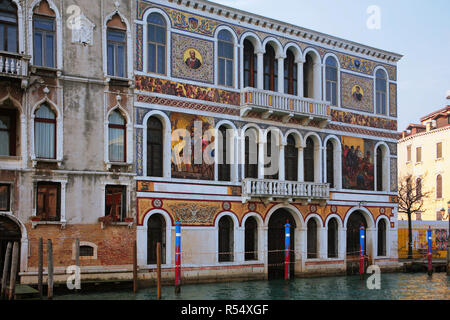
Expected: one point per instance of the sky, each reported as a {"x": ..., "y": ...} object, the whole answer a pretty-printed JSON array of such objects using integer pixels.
[{"x": 418, "y": 30}]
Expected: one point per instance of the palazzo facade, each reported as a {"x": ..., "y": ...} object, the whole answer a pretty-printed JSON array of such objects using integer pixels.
[{"x": 103, "y": 107}]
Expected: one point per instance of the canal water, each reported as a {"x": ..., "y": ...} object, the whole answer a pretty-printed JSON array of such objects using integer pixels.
[{"x": 394, "y": 286}]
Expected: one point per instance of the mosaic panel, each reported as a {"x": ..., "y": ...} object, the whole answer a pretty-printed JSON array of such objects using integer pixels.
[
  {"x": 191, "y": 168},
  {"x": 185, "y": 90},
  {"x": 139, "y": 151},
  {"x": 357, "y": 163},
  {"x": 363, "y": 120},
  {"x": 192, "y": 58},
  {"x": 139, "y": 47},
  {"x": 356, "y": 92},
  {"x": 392, "y": 99},
  {"x": 394, "y": 175}
]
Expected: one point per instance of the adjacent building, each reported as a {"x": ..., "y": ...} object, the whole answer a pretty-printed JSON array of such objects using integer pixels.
[
  {"x": 424, "y": 154},
  {"x": 119, "y": 119}
]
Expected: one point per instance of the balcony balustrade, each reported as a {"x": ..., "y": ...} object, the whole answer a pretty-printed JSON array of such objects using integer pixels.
[
  {"x": 288, "y": 106},
  {"x": 270, "y": 189},
  {"x": 13, "y": 65}
]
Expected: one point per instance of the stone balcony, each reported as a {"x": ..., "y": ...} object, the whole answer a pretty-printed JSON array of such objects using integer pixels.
[
  {"x": 287, "y": 106},
  {"x": 13, "y": 65},
  {"x": 287, "y": 190}
]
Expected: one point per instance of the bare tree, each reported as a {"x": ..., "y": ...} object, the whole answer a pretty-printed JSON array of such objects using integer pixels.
[{"x": 410, "y": 201}]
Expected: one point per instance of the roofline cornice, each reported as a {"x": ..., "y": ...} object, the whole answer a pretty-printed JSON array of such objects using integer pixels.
[{"x": 289, "y": 29}]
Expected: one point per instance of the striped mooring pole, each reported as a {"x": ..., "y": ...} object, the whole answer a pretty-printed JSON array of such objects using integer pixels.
[
  {"x": 430, "y": 244},
  {"x": 362, "y": 238},
  {"x": 178, "y": 257},
  {"x": 287, "y": 245}
]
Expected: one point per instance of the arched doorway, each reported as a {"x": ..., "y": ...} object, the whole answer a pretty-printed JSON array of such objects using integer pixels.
[
  {"x": 9, "y": 232},
  {"x": 156, "y": 233},
  {"x": 354, "y": 223},
  {"x": 276, "y": 246}
]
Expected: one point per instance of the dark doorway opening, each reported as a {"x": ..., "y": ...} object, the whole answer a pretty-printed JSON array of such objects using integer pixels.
[
  {"x": 276, "y": 244},
  {"x": 156, "y": 233},
  {"x": 354, "y": 223},
  {"x": 9, "y": 232}
]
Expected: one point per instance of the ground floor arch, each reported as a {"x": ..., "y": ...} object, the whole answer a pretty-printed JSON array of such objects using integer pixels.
[
  {"x": 276, "y": 243},
  {"x": 9, "y": 232}
]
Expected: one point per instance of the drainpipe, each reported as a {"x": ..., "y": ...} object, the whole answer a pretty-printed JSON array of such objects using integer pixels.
[{"x": 448, "y": 239}]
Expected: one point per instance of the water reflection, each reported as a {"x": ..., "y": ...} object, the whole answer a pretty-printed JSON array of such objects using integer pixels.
[{"x": 393, "y": 287}]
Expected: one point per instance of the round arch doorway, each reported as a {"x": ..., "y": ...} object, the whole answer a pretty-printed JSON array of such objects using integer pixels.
[
  {"x": 276, "y": 244},
  {"x": 354, "y": 223},
  {"x": 9, "y": 232}
]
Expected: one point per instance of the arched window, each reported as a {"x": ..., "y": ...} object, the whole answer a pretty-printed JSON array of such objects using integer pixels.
[
  {"x": 250, "y": 65},
  {"x": 44, "y": 36},
  {"x": 251, "y": 154},
  {"x": 439, "y": 187},
  {"x": 251, "y": 239},
  {"x": 312, "y": 239},
  {"x": 156, "y": 232},
  {"x": 45, "y": 133},
  {"x": 116, "y": 35},
  {"x": 380, "y": 168},
  {"x": 9, "y": 39},
  {"x": 270, "y": 69},
  {"x": 330, "y": 163},
  {"x": 116, "y": 137},
  {"x": 226, "y": 58},
  {"x": 381, "y": 89},
  {"x": 331, "y": 76},
  {"x": 155, "y": 148},
  {"x": 157, "y": 43},
  {"x": 290, "y": 74},
  {"x": 8, "y": 131},
  {"x": 308, "y": 154},
  {"x": 382, "y": 238},
  {"x": 226, "y": 239},
  {"x": 333, "y": 238},
  {"x": 291, "y": 159},
  {"x": 224, "y": 166},
  {"x": 271, "y": 167}
]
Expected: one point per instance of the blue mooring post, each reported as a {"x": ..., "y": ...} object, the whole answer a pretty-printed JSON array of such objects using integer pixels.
[
  {"x": 430, "y": 245},
  {"x": 287, "y": 245},
  {"x": 361, "y": 251},
  {"x": 178, "y": 257}
]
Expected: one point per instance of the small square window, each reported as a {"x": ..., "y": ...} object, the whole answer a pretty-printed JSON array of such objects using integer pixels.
[
  {"x": 115, "y": 203},
  {"x": 48, "y": 202},
  {"x": 439, "y": 150},
  {"x": 86, "y": 251},
  {"x": 419, "y": 154},
  {"x": 5, "y": 197}
]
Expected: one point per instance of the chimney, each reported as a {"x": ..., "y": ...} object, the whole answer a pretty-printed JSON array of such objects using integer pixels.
[
  {"x": 447, "y": 95},
  {"x": 428, "y": 125}
]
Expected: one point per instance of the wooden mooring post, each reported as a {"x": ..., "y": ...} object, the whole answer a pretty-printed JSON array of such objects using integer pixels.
[
  {"x": 14, "y": 267},
  {"x": 50, "y": 269},
  {"x": 40, "y": 267},
  {"x": 6, "y": 269},
  {"x": 158, "y": 270},
  {"x": 135, "y": 284}
]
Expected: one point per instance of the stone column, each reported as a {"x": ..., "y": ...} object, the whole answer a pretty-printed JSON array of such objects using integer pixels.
[
  {"x": 260, "y": 69},
  {"x": 300, "y": 77},
  {"x": 301, "y": 170},
  {"x": 317, "y": 81},
  {"x": 281, "y": 73}
]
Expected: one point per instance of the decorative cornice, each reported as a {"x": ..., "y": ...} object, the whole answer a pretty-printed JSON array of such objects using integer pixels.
[{"x": 288, "y": 29}]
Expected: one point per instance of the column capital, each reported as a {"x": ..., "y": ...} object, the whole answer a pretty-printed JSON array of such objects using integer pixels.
[
  {"x": 281, "y": 56},
  {"x": 299, "y": 61}
]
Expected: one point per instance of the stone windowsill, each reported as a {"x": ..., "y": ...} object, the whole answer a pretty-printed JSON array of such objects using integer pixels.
[
  {"x": 117, "y": 224},
  {"x": 10, "y": 158},
  {"x": 34, "y": 224},
  {"x": 36, "y": 161}
]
